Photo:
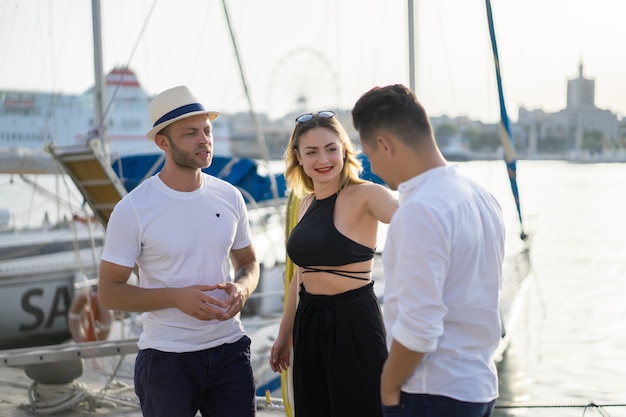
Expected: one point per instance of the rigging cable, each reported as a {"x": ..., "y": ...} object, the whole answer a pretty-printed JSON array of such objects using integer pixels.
[
  {"x": 125, "y": 68},
  {"x": 259, "y": 129}
]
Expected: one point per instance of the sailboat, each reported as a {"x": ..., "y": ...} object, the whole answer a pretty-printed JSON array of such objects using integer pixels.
[{"x": 42, "y": 265}]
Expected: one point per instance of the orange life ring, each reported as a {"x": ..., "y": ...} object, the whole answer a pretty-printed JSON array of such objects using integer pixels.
[{"x": 88, "y": 320}]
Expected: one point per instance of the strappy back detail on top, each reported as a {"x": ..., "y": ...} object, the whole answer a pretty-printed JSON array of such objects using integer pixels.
[{"x": 316, "y": 241}]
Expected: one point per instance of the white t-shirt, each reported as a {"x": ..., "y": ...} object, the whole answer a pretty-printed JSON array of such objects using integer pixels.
[
  {"x": 443, "y": 271},
  {"x": 180, "y": 239}
]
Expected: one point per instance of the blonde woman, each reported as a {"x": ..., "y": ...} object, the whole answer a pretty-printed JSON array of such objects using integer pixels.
[{"x": 336, "y": 328}]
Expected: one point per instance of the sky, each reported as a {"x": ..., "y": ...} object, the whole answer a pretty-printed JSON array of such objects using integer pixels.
[{"x": 327, "y": 51}]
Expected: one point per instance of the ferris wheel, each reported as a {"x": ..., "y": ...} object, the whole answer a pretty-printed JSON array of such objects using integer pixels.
[{"x": 302, "y": 80}]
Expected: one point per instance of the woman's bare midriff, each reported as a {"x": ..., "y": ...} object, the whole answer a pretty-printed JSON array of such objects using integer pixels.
[{"x": 325, "y": 283}]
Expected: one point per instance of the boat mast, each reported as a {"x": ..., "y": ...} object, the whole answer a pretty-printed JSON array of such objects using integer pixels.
[
  {"x": 506, "y": 136},
  {"x": 411, "y": 27},
  {"x": 99, "y": 89}
]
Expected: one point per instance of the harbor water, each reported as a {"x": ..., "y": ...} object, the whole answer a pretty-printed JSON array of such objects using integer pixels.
[{"x": 569, "y": 348}]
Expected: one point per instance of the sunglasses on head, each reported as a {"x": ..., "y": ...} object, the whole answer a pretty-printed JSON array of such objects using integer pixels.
[{"x": 326, "y": 114}]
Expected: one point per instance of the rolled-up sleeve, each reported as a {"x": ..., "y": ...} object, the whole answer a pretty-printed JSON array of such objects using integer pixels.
[{"x": 419, "y": 272}]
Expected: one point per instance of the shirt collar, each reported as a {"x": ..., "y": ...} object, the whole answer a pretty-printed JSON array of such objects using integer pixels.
[{"x": 409, "y": 185}]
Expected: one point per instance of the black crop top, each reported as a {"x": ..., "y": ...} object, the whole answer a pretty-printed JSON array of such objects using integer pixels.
[{"x": 316, "y": 241}]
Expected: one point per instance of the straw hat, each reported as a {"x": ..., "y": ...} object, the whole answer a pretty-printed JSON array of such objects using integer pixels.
[{"x": 172, "y": 105}]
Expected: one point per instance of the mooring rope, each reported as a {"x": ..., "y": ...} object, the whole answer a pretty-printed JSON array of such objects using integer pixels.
[{"x": 590, "y": 406}]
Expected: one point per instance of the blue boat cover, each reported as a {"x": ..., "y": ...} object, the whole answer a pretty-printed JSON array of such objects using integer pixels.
[{"x": 241, "y": 172}]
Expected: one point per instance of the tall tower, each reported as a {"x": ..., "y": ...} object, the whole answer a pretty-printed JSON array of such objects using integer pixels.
[{"x": 580, "y": 91}]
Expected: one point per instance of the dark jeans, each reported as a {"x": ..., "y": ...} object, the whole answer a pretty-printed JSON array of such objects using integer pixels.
[
  {"x": 425, "y": 405},
  {"x": 218, "y": 382}
]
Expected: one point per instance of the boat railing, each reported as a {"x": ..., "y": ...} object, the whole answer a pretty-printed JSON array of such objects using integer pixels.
[{"x": 56, "y": 353}]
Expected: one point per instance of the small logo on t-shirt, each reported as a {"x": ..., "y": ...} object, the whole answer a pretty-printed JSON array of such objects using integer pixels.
[{"x": 217, "y": 214}]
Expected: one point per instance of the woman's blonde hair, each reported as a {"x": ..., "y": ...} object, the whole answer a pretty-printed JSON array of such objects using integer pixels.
[{"x": 301, "y": 184}]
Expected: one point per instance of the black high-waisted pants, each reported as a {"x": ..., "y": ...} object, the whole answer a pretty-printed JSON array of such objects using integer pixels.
[{"x": 339, "y": 352}]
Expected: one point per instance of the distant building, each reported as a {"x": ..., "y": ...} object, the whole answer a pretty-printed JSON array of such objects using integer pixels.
[
  {"x": 579, "y": 131},
  {"x": 580, "y": 127},
  {"x": 581, "y": 91}
]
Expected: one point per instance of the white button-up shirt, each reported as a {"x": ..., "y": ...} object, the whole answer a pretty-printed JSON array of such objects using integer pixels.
[{"x": 443, "y": 270}]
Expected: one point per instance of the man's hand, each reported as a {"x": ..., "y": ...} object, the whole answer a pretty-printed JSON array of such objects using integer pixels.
[
  {"x": 237, "y": 296},
  {"x": 398, "y": 367},
  {"x": 195, "y": 302}
]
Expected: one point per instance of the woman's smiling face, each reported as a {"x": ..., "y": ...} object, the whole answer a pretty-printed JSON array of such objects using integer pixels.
[{"x": 321, "y": 154}]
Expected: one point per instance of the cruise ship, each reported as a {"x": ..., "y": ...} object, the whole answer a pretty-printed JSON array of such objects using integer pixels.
[{"x": 31, "y": 120}]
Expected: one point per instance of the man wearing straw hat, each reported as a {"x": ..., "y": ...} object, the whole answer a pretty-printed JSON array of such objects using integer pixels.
[{"x": 183, "y": 228}]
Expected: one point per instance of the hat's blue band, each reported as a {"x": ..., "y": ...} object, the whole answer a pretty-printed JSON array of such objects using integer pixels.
[{"x": 187, "y": 108}]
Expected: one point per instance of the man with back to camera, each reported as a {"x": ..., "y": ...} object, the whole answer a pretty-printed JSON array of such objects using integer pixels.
[
  {"x": 184, "y": 228},
  {"x": 443, "y": 266}
]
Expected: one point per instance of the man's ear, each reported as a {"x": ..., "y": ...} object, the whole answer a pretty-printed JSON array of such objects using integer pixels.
[
  {"x": 161, "y": 141},
  {"x": 385, "y": 143}
]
